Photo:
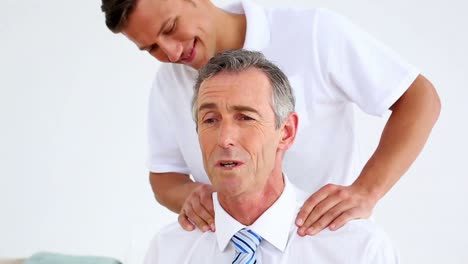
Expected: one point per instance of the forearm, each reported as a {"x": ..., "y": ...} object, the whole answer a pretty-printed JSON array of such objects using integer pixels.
[
  {"x": 402, "y": 139},
  {"x": 172, "y": 189}
]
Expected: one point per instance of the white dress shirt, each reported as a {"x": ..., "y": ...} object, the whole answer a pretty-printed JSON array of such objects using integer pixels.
[{"x": 359, "y": 241}]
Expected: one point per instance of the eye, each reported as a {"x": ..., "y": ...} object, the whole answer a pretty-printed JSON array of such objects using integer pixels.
[
  {"x": 209, "y": 121},
  {"x": 171, "y": 29},
  {"x": 246, "y": 118},
  {"x": 209, "y": 118},
  {"x": 153, "y": 48}
]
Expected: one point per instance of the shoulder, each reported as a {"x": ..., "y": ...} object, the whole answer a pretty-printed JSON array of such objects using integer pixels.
[
  {"x": 363, "y": 228},
  {"x": 305, "y": 15},
  {"x": 320, "y": 21},
  {"x": 358, "y": 228},
  {"x": 174, "y": 233},
  {"x": 172, "y": 73},
  {"x": 360, "y": 231},
  {"x": 367, "y": 238},
  {"x": 374, "y": 242},
  {"x": 172, "y": 240},
  {"x": 361, "y": 241},
  {"x": 173, "y": 81},
  {"x": 314, "y": 29}
]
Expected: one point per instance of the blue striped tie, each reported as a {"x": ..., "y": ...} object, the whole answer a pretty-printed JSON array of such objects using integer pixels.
[{"x": 245, "y": 242}]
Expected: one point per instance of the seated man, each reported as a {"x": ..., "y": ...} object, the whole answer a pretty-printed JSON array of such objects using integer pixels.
[{"x": 244, "y": 110}]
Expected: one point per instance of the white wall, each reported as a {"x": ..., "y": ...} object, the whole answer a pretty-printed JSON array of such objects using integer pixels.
[{"x": 73, "y": 131}]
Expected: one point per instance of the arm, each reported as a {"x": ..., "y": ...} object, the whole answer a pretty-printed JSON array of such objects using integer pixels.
[
  {"x": 191, "y": 200},
  {"x": 404, "y": 135}
]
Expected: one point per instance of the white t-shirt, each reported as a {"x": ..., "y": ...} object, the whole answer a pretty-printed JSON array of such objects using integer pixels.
[
  {"x": 331, "y": 65},
  {"x": 359, "y": 241}
]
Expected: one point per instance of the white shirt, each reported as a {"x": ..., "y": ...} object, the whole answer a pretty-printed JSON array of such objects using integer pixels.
[
  {"x": 331, "y": 65},
  {"x": 359, "y": 241}
]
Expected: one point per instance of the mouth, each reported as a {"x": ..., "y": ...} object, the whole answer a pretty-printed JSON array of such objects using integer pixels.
[
  {"x": 190, "y": 55},
  {"x": 228, "y": 164}
]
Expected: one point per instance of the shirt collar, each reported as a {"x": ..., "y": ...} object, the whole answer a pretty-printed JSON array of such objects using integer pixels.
[
  {"x": 273, "y": 225},
  {"x": 258, "y": 32}
]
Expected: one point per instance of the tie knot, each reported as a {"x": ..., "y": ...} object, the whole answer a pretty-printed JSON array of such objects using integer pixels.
[{"x": 246, "y": 241}]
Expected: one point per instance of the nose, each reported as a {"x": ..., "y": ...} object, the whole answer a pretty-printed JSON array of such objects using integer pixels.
[
  {"x": 227, "y": 135},
  {"x": 172, "y": 49}
]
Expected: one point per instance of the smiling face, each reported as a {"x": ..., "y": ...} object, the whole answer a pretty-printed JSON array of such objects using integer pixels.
[
  {"x": 177, "y": 31},
  {"x": 236, "y": 130}
]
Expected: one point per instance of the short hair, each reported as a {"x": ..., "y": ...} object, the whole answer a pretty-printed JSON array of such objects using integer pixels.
[
  {"x": 117, "y": 13},
  {"x": 236, "y": 61}
]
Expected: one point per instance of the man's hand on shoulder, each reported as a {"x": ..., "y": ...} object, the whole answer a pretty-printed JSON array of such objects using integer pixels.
[
  {"x": 197, "y": 210},
  {"x": 333, "y": 206}
]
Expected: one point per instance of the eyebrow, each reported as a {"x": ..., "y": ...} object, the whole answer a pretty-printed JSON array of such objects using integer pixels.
[
  {"x": 238, "y": 108},
  {"x": 244, "y": 108},
  {"x": 144, "y": 48},
  {"x": 207, "y": 106}
]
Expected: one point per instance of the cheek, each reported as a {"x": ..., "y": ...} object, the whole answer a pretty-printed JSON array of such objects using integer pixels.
[
  {"x": 160, "y": 56},
  {"x": 203, "y": 142},
  {"x": 254, "y": 145},
  {"x": 268, "y": 149},
  {"x": 186, "y": 32},
  {"x": 206, "y": 143}
]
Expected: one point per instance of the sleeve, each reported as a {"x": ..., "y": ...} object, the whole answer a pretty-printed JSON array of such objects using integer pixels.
[
  {"x": 358, "y": 68},
  {"x": 164, "y": 154}
]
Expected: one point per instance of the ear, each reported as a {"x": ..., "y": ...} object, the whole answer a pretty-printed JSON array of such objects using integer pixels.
[{"x": 288, "y": 131}]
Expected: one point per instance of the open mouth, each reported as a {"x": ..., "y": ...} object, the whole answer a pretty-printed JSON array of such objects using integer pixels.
[
  {"x": 229, "y": 164},
  {"x": 188, "y": 58}
]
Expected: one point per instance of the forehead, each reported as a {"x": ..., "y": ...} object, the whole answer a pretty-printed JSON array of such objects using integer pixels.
[
  {"x": 154, "y": 8},
  {"x": 147, "y": 17},
  {"x": 249, "y": 86}
]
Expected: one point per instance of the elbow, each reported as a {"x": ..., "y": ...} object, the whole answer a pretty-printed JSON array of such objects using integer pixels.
[
  {"x": 420, "y": 102},
  {"x": 437, "y": 109},
  {"x": 158, "y": 197},
  {"x": 422, "y": 95},
  {"x": 157, "y": 192},
  {"x": 434, "y": 102}
]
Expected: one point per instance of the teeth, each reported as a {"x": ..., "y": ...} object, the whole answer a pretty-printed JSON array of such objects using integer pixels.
[
  {"x": 188, "y": 55},
  {"x": 228, "y": 164}
]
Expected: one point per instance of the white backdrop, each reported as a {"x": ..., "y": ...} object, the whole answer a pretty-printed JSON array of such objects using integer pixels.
[{"x": 73, "y": 102}]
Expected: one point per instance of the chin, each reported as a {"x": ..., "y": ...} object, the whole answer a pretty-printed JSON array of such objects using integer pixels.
[
  {"x": 203, "y": 58},
  {"x": 228, "y": 190},
  {"x": 227, "y": 181}
]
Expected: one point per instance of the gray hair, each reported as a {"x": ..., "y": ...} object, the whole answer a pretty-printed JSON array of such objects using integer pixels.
[{"x": 236, "y": 61}]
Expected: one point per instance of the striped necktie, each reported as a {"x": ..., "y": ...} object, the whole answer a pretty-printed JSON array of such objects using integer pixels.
[{"x": 245, "y": 242}]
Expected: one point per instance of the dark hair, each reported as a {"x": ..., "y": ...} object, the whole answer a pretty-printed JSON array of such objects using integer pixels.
[{"x": 117, "y": 12}]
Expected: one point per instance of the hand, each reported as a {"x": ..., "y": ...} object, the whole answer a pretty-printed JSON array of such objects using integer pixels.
[
  {"x": 333, "y": 206},
  {"x": 198, "y": 210}
]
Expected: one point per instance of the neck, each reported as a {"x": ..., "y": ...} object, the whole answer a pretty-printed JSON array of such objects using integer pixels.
[
  {"x": 230, "y": 30},
  {"x": 249, "y": 206}
]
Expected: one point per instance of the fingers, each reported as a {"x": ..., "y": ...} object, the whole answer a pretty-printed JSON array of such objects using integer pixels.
[
  {"x": 328, "y": 217},
  {"x": 320, "y": 216},
  {"x": 195, "y": 216},
  {"x": 202, "y": 217},
  {"x": 185, "y": 223},
  {"x": 333, "y": 206},
  {"x": 197, "y": 210},
  {"x": 207, "y": 202},
  {"x": 310, "y": 204},
  {"x": 344, "y": 217}
]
